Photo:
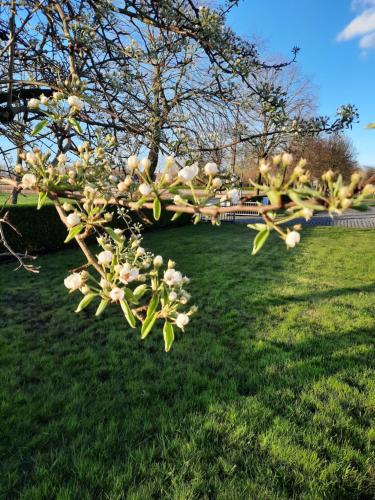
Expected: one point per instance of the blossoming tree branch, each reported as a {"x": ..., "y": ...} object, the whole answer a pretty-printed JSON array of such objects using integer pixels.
[{"x": 87, "y": 127}]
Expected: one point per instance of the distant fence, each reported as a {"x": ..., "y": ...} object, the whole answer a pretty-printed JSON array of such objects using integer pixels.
[{"x": 231, "y": 216}]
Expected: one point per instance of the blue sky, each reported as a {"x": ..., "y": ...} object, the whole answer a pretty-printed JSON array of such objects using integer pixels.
[{"x": 337, "y": 41}]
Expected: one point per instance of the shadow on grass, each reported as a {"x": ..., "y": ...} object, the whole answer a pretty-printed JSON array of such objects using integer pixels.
[{"x": 265, "y": 396}]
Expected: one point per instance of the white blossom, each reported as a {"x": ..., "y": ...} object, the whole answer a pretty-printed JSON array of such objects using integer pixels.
[
  {"x": 292, "y": 238},
  {"x": 145, "y": 189},
  {"x": 117, "y": 294},
  {"x": 128, "y": 273},
  {"x": 75, "y": 102},
  {"x": 105, "y": 257},
  {"x": 104, "y": 283},
  {"x": 182, "y": 320},
  {"x": 29, "y": 181},
  {"x": 31, "y": 158},
  {"x": 73, "y": 219},
  {"x": 172, "y": 277},
  {"x": 211, "y": 168},
  {"x": 33, "y": 104},
  {"x": 73, "y": 281},
  {"x": 187, "y": 174},
  {"x": 172, "y": 296}
]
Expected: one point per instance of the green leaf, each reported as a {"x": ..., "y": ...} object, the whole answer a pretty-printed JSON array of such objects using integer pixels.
[
  {"x": 129, "y": 295},
  {"x": 128, "y": 313},
  {"x": 371, "y": 125},
  {"x": 42, "y": 198},
  {"x": 148, "y": 324},
  {"x": 361, "y": 208},
  {"x": 140, "y": 291},
  {"x": 168, "y": 334},
  {"x": 73, "y": 232},
  {"x": 39, "y": 126},
  {"x": 257, "y": 227},
  {"x": 156, "y": 209},
  {"x": 113, "y": 235},
  {"x": 176, "y": 215},
  {"x": 140, "y": 202},
  {"x": 197, "y": 218},
  {"x": 75, "y": 125},
  {"x": 103, "y": 304},
  {"x": 85, "y": 301},
  {"x": 260, "y": 240},
  {"x": 154, "y": 302}
]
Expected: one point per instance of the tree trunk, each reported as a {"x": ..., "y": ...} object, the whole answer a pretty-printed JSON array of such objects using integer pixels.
[
  {"x": 153, "y": 154},
  {"x": 14, "y": 196}
]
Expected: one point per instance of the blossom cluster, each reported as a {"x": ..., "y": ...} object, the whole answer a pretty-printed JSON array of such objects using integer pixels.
[
  {"x": 283, "y": 177},
  {"x": 137, "y": 280},
  {"x": 123, "y": 272}
]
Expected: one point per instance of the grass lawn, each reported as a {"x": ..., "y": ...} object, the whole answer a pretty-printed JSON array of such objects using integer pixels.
[
  {"x": 270, "y": 393},
  {"x": 28, "y": 199}
]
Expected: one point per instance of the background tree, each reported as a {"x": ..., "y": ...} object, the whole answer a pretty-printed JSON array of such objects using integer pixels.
[
  {"x": 128, "y": 59},
  {"x": 335, "y": 152}
]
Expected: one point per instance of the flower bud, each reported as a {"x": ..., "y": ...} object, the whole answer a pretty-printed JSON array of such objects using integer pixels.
[
  {"x": 217, "y": 183},
  {"x": 211, "y": 168},
  {"x": 287, "y": 159},
  {"x": 29, "y": 181},
  {"x": 73, "y": 219},
  {"x": 169, "y": 162},
  {"x": 182, "y": 320},
  {"x": 328, "y": 176},
  {"x": 105, "y": 257},
  {"x": 145, "y": 163},
  {"x": 292, "y": 238},
  {"x": 368, "y": 190},
  {"x": 43, "y": 99},
  {"x": 33, "y": 104},
  {"x": 145, "y": 189},
  {"x": 346, "y": 203},
  {"x": 133, "y": 162},
  {"x": 345, "y": 192},
  {"x": 158, "y": 261},
  {"x": 67, "y": 207},
  {"x": 264, "y": 167},
  {"x": 276, "y": 159}
]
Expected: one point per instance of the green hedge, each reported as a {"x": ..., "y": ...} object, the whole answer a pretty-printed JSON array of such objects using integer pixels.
[{"x": 42, "y": 231}]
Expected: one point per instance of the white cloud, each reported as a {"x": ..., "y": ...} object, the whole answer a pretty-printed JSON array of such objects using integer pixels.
[
  {"x": 362, "y": 26},
  {"x": 367, "y": 41}
]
